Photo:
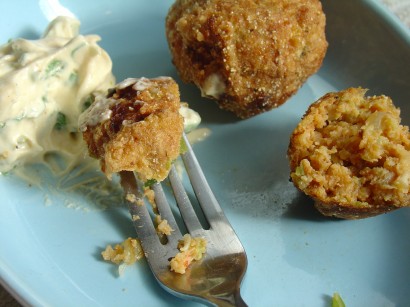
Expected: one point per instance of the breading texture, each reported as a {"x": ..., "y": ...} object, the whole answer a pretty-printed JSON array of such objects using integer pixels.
[
  {"x": 351, "y": 154},
  {"x": 249, "y": 55},
  {"x": 139, "y": 129}
]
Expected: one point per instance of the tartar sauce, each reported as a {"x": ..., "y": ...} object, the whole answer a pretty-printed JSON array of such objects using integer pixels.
[{"x": 44, "y": 86}]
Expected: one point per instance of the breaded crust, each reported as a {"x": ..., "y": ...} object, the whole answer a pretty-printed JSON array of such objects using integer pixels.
[
  {"x": 137, "y": 127},
  {"x": 351, "y": 155},
  {"x": 250, "y": 56}
]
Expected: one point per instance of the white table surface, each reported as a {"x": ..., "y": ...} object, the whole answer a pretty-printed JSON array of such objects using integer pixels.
[{"x": 400, "y": 7}]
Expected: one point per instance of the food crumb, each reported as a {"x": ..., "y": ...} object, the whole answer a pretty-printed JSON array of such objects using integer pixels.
[
  {"x": 126, "y": 253},
  {"x": 162, "y": 226},
  {"x": 47, "y": 201},
  {"x": 150, "y": 196},
  {"x": 132, "y": 198},
  {"x": 191, "y": 248},
  {"x": 135, "y": 217}
]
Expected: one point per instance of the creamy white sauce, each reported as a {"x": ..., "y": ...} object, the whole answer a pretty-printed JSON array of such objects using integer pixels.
[
  {"x": 44, "y": 84},
  {"x": 213, "y": 86},
  {"x": 139, "y": 84},
  {"x": 198, "y": 135},
  {"x": 126, "y": 83},
  {"x": 191, "y": 118},
  {"x": 97, "y": 113}
]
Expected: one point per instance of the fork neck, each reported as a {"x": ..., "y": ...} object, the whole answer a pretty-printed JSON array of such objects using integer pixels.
[{"x": 229, "y": 300}]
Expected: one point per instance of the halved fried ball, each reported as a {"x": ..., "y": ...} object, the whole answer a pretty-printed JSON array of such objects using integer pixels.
[{"x": 351, "y": 155}]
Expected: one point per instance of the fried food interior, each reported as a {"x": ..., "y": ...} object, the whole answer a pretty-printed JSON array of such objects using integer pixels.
[
  {"x": 352, "y": 155},
  {"x": 137, "y": 127}
]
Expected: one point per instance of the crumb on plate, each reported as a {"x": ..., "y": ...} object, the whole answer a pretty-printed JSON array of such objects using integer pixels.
[{"x": 126, "y": 253}]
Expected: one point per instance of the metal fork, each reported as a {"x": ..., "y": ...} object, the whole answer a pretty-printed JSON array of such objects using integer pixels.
[{"x": 214, "y": 280}]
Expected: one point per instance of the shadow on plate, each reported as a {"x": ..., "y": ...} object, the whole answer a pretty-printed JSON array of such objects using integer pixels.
[
  {"x": 327, "y": 300},
  {"x": 362, "y": 58},
  {"x": 302, "y": 208},
  {"x": 28, "y": 33}
]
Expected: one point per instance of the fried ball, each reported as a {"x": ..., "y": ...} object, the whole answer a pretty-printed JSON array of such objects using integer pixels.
[
  {"x": 250, "y": 56},
  {"x": 351, "y": 155},
  {"x": 137, "y": 127}
]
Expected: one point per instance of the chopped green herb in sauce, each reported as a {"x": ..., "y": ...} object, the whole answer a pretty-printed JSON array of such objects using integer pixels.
[
  {"x": 74, "y": 51},
  {"x": 72, "y": 78},
  {"x": 87, "y": 103},
  {"x": 61, "y": 121},
  {"x": 54, "y": 68}
]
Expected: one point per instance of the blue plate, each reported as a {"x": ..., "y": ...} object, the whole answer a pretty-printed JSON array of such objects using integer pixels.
[{"x": 51, "y": 238}]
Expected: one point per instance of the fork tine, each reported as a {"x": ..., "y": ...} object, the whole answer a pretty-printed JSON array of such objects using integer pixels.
[
  {"x": 184, "y": 204},
  {"x": 139, "y": 212},
  {"x": 203, "y": 192},
  {"x": 165, "y": 212},
  {"x": 156, "y": 253}
]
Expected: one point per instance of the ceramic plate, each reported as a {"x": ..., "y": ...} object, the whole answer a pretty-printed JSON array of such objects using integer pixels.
[{"x": 51, "y": 239}]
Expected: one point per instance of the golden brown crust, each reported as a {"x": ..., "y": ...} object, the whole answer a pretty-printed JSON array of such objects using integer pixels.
[
  {"x": 351, "y": 212},
  {"x": 351, "y": 155},
  {"x": 143, "y": 131},
  {"x": 260, "y": 52}
]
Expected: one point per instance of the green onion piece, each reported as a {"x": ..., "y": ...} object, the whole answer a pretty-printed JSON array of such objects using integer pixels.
[
  {"x": 87, "y": 103},
  {"x": 74, "y": 51},
  {"x": 61, "y": 121},
  {"x": 183, "y": 148},
  {"x": 72, "y": 78},
  {"x": 149, "y": 182},
  {"x": 337, "y": 301},
  {"x": 54, "y": 67}
]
